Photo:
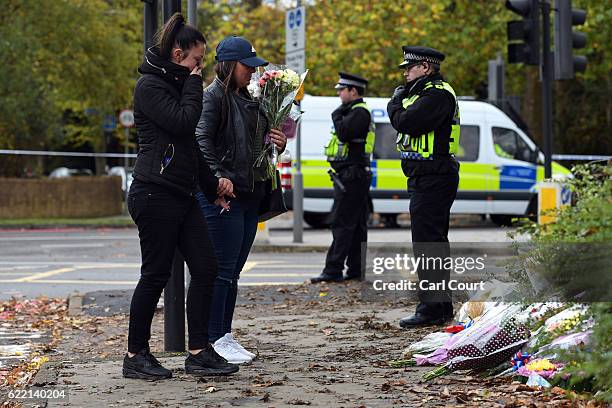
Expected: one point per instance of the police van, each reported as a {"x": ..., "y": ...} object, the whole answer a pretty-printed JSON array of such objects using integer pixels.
[{"x": 500, "y": 164}]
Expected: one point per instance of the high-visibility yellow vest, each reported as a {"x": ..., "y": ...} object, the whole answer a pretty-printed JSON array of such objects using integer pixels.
[
  {"x": 421, "y": 147},
  {"x": 335, "y": 150}
]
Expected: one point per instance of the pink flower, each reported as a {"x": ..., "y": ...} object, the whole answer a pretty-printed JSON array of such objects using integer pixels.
[{"x": 262, "y": 82}]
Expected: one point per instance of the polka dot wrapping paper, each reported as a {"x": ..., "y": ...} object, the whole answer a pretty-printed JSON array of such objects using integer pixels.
[{"x": 492, "y": 340}]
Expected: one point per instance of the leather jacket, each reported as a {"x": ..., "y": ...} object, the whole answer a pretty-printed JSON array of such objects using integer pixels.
[{"x": 226, "y": 132}]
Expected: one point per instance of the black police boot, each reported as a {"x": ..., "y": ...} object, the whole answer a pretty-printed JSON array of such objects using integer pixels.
[
  {"x": 144, "y": 366},
  {"x": 420, "y": 319},
  {"x": 349, "y": 277},
  {"x": 208, "y": 362},
  {"x": 325, "y": 277},
  {"x": 429, "y": 314}
]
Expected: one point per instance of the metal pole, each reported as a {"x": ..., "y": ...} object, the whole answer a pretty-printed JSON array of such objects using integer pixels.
[
  {"x": 298, "y": 189},
  {"x": 192, "y": 12},
  {"x": 171, "y": 7},
  {"x": 174, "y": 307},
  {"x": 298, "y": 183},
  {"x": 546, "y": 89},
  {"x": 150, "y": 22},
  {"x": 174, "y": 292},
  {"x": 126, "y": 162}
]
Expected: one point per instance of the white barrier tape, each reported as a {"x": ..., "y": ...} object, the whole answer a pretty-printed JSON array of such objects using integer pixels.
[
  {"x": 77, "y": 154},
  {"x": 579, "y": 157}
]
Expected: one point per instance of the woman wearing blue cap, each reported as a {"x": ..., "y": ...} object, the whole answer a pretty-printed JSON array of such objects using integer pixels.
[{"x": 231, "y": 136}]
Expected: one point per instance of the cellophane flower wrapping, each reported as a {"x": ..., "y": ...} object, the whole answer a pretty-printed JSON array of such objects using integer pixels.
[
  {"x": 275, "y": 87},
  {"x": 492, "y": 339}
]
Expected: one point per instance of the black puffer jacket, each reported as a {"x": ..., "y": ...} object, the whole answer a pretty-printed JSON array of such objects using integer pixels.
[
  {"x": 167, "y": 107},
  {"x": 226, "y": 132}
]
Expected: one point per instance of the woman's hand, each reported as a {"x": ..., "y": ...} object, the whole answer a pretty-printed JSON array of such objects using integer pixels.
[
  {"x": 225, "y": 188},
  {"x": 222, "y": 202},
  {"x": 197, "y": 70},
  {"x": 279, "y": 139}
]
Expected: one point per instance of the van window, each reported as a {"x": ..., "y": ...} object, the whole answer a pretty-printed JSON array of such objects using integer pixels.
[
  {"x": 508, "y": 144},
  {"x": 469, "y": 143},
  {"x": 384, "y": 145}
]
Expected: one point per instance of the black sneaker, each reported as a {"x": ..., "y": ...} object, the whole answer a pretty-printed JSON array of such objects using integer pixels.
[
  {"x": 144, "y": 366},
  {"x": 208, "y": 362}
]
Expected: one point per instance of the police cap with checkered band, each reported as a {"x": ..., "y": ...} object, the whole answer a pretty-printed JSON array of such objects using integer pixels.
[{"x": 414, "y": 55}]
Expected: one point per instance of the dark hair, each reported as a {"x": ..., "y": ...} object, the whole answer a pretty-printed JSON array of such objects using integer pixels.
[
  {"x": 225, "y": 72},
  {"x": 360, "y": 90},
  {"x": 176, "y": 33},
  {"x": 435, "y": 68}
]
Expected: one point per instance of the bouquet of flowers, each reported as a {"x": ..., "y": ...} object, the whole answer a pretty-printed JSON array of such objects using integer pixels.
[
  {"x": 492, "y": 339},
  {"x": 276, "y": 89}
]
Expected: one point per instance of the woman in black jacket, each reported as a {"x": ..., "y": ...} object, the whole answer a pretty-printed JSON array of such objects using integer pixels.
[
  {"x": 162, "y": 203},
  {"x": 231, "y": 135}
]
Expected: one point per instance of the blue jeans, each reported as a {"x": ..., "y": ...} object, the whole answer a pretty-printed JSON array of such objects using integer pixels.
[{"x": 232, "y": 233}]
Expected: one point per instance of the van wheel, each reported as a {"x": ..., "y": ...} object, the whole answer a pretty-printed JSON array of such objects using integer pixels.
[
  {"x": 502, "y": 220},
  {"x": 318, "y": 220}
]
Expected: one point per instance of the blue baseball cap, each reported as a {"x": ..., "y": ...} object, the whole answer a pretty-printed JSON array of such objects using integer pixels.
[{"x": 234, "y": 48}]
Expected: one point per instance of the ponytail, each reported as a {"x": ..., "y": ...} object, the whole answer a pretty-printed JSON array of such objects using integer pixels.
[{"x": 176, "y": 33}]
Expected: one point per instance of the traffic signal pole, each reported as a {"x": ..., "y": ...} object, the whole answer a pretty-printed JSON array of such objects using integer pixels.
[
  {"x": 174, "y": 292},
  {"x": 546, "y": 78}
]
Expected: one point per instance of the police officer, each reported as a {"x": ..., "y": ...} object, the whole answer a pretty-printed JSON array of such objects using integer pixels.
[
  {"x": 425, "y": 113},
  {"x": 349, "y": 151}
]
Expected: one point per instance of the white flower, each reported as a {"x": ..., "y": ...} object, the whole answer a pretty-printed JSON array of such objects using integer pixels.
[{"x": 254, "y": 89}]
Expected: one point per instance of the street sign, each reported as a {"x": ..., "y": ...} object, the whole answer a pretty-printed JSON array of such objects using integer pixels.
[
  {"x": 126, "y": 118},
  {"x": 296, "y": 61},
  {"x": 295, "y": 39},
  {"x": 295, "y": 33},
  {"x": 109, "y": 123}
]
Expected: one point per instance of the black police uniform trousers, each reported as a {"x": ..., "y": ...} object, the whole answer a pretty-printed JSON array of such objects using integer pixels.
[
  {"x": 431, "y": 198},
  {"x": 349, "y": 222}
]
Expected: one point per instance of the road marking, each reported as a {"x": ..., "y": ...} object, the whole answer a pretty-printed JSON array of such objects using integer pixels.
[
  {"x": 77, "y": 281},
  {"x": 111, "y": 266},
  {"x": 2, "y": 273},
  {"x": 64, "y": 238},
  {"x": 57, "y": 246},
  {"x": 75, "y": 264},
  {"x": 37, "y": 276}
]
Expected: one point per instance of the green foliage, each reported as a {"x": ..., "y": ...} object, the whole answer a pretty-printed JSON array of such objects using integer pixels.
[
  {"x": 588, "y": 221},
  {"x": 589, "y": 369},
  {"x": 59, "y": 58}
]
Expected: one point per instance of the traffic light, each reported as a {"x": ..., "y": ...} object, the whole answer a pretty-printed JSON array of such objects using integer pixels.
[
  {"x": 566, "y": 63},
  {"x": 524, "y": 35}
]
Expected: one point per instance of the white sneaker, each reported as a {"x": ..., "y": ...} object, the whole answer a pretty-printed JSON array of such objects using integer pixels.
[
  {"x": 230, "y": 352},
  {"x": 230, "y": 338}
]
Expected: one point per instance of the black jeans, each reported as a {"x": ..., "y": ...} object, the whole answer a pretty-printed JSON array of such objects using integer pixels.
[
  {"x": 349, "y": 222},
  {"x": 431, "y": 198},
  {"x": 166, "y": 221}
]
